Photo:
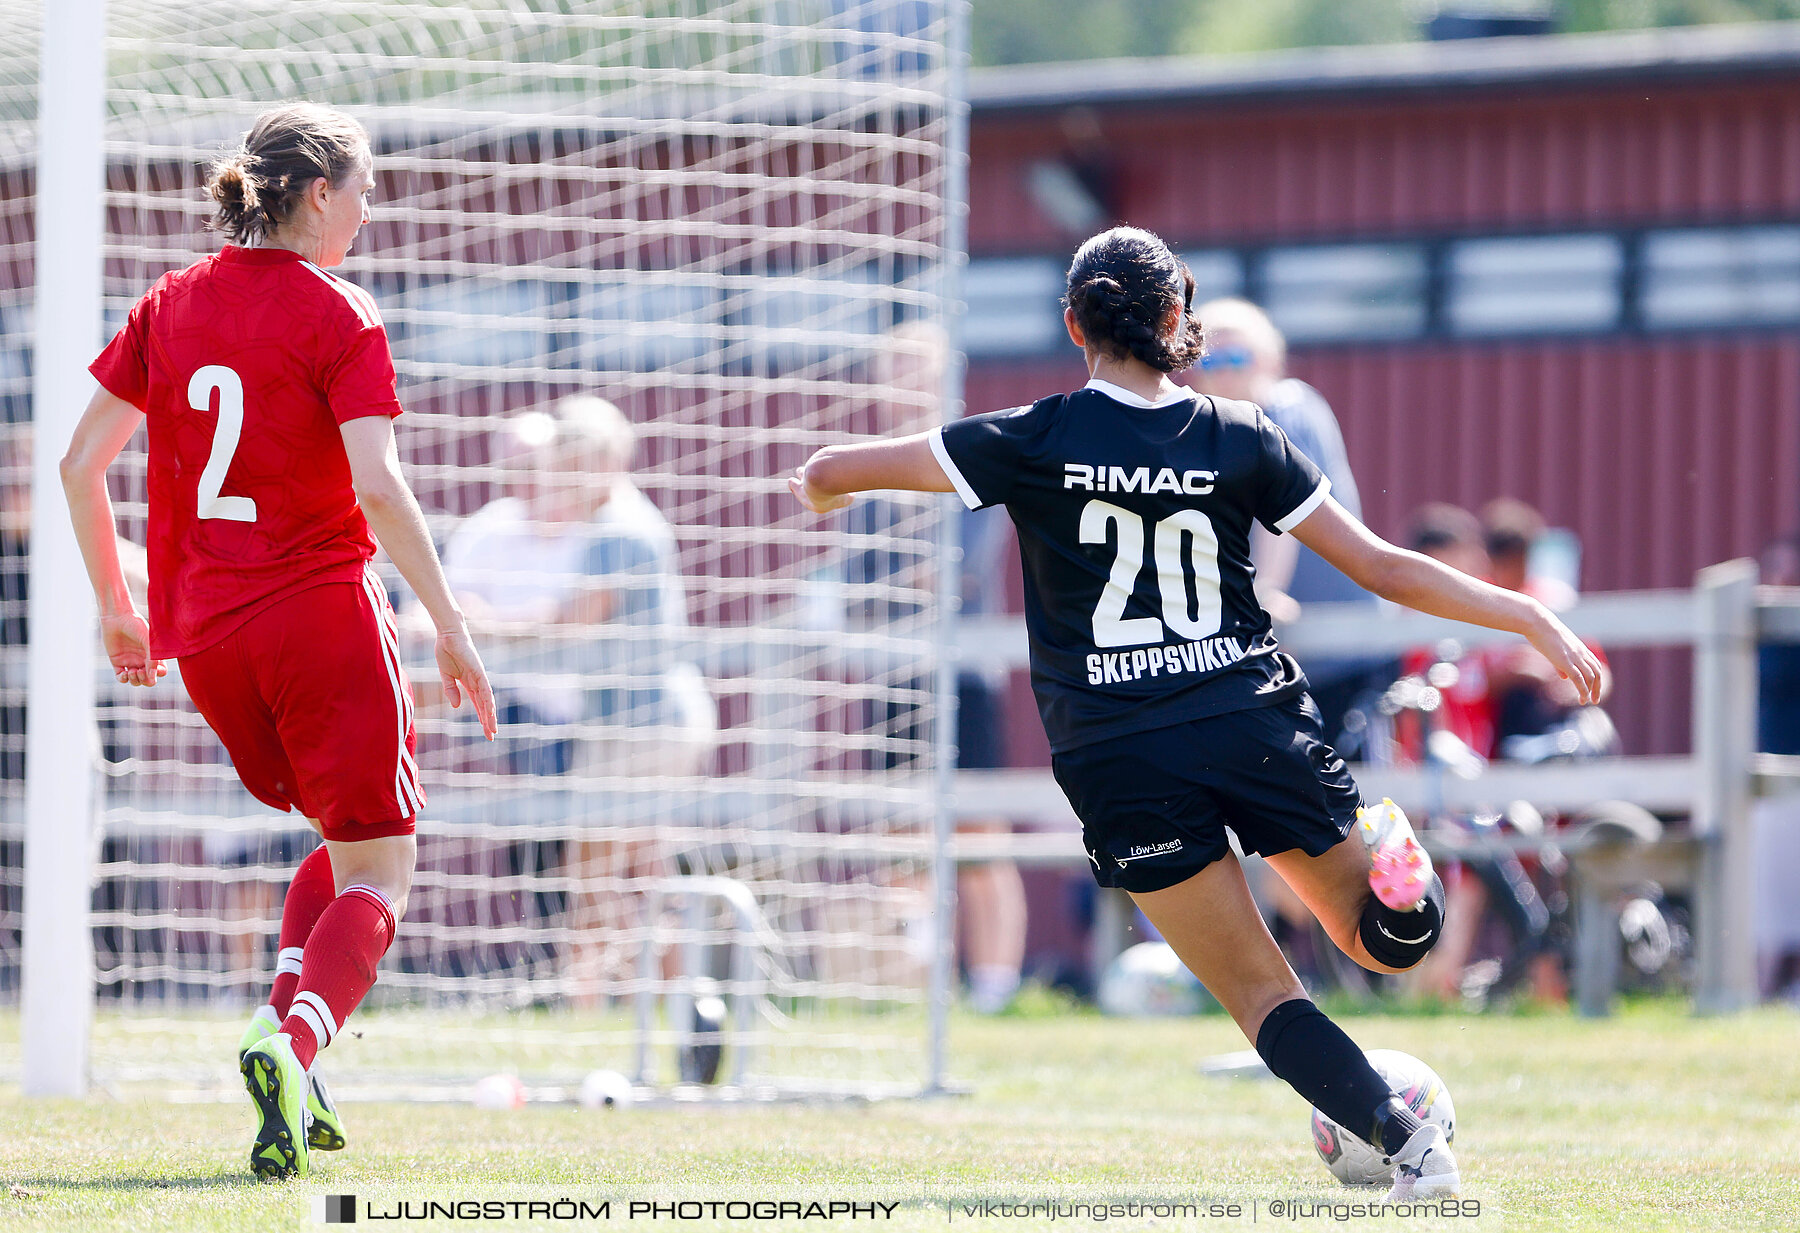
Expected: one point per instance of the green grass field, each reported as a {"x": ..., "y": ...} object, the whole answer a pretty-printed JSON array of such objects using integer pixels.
[{"x": 1651, "y": 1120}]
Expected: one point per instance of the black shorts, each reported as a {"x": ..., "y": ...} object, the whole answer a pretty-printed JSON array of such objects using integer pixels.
[{"x": 1154, "y": 805}]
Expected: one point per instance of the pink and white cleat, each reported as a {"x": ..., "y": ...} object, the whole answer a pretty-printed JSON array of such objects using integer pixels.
[
  {"x": 1424, "y": 1168},
  {"x": 1399, "y": 867}
]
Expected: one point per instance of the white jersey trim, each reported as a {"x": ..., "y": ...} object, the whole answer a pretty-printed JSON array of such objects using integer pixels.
[
  {"x": 1119, "y": 393},
  {"x": 1299, "y": 513},
  {"x": 951, "y": 471},
  {"x": 359, "y": 300}
]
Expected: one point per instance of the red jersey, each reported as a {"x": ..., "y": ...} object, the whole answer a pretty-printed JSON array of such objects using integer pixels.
[
  {"x": 1468, "y": 708},
  {"x": 244, "y": 365}
]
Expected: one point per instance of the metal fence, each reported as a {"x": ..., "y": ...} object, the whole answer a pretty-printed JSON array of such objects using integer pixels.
[{"x": 1724, "y": 618}]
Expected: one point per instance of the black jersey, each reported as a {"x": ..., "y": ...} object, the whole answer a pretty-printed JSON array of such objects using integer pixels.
[{"x": 1134, "y": 530}]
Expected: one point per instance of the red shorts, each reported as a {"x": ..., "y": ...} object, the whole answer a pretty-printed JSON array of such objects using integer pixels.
[{"x": 315, "y": 710}]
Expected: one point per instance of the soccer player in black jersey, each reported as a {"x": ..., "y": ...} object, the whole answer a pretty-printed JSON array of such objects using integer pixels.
[{"x": 1171, "y": 711}]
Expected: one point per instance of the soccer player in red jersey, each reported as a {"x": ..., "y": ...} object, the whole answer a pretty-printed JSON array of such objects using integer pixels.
[{"x": 268, "y": 388}]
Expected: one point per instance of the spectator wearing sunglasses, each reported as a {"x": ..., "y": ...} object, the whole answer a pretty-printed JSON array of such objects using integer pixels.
[{"x": 1245, "y": 358}]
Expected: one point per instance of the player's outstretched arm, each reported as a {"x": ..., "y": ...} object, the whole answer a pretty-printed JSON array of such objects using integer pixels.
[
  {"x": 105, "y": 427},
  {"x": 394, "y": 515},
  {"x": 1417, "y": 581},
  {"x": 829, "y": 479}
]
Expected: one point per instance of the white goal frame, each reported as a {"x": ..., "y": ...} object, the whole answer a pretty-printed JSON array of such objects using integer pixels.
[
  {"x": 57, "y": 988},
  {"x": 63, "y": 799}
]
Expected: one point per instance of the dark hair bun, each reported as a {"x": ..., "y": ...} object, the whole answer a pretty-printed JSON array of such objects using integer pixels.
[
  {"x": 236, "y": 198},
  {"x": 1103, "y": 296},
  {"x": 1125, "y": 286},
  {"x": 254, "y": 188}
]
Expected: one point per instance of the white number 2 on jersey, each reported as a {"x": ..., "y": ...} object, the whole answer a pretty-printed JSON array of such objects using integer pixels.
[
  {"x": 225, "y": 442},
  {"x": 1189, "y": 529}
]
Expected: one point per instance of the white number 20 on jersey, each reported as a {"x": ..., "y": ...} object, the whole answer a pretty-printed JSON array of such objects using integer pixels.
[
  {"x": 1189, "y": 529},
  {"x": 225, "y": 442}
]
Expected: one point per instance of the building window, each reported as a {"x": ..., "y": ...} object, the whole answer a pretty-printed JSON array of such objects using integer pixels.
[
  {"x": 1487, "y": 286},
  {"x": 1741, "y": 276},
  {"x": 639, "y": 321},
  {"x": 1217, "y": 272},
  {"x": 1534, "y": 284},
  {"x": 785, "y": 323},
  {"x": 1014, "y": 306},
  {"x": 481, "y": 320},
  {"x": 1324, "y": 293}
]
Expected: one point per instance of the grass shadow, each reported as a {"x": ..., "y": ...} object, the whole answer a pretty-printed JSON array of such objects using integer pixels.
[{"x": 40, "y": 1186}]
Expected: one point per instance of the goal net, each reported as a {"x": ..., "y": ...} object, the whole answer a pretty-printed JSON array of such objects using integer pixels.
[
  {"x": 637, "y": 261},
  {"x": 18, "y": 98}
]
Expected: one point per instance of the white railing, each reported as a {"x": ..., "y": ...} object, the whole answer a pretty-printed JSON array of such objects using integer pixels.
[{"x": 1723, "y": 618}]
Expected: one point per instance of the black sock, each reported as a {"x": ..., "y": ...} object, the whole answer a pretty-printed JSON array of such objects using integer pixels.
[
  {"x": 1401, "y": 939},
  {"x": 1394, "y": 1125},
  {"x": 1314, "y": 1056}
]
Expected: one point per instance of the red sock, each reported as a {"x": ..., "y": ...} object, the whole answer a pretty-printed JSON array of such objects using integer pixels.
[
  {"x": 308, "y": 895},
  {"x": 351, "y": 937}
]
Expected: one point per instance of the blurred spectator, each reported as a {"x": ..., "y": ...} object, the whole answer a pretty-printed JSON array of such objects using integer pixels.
[
  {"x": 1502, "y": 691},
  {"x": 15, "y": 580},
  {"x": 1513, "y": 532},
  {"x": 576, "y": 577},
  {"x": 15, "y": 587},
  {"x": 1778, "y": 664},
  {"x": 1530, "y": 699},
  {"x": 1776, "y": 822},
  {"x": 15, "y": 539},
  {"x": 1246, "y": 358},
  {"x": 991, "y": 895},
  {"x": 572, "y": 579},
  {"x": 15, "y": 584},
  {"x": 1452, "y": 535}
]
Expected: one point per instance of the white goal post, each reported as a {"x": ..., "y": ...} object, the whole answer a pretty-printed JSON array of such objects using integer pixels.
[
  {"x": 723, "y": 779},
  {"x": 57, "y": 968}
]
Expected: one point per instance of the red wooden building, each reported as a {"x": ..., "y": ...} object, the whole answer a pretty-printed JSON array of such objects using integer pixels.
[{"x": 1565, "y": 269}]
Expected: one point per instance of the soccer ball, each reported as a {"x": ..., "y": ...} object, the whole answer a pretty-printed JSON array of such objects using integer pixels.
[
  {"x": 1352, "y": 1160},
  {"x": 606, "y": 1089},
  {"x": 1148, "y": 979}
]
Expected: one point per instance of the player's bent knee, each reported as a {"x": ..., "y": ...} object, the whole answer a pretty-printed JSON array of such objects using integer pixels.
[
  {"x": 385, "y": 864},
  {"x": 1400, "y": 940}
]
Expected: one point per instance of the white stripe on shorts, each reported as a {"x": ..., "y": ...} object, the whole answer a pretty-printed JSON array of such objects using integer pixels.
[{"x": 406, "y": 771}]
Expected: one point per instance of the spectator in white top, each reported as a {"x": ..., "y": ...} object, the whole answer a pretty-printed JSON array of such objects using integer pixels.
[
  {"x": 577, "y": 574},
  {"x": 574, "y": 575}
]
